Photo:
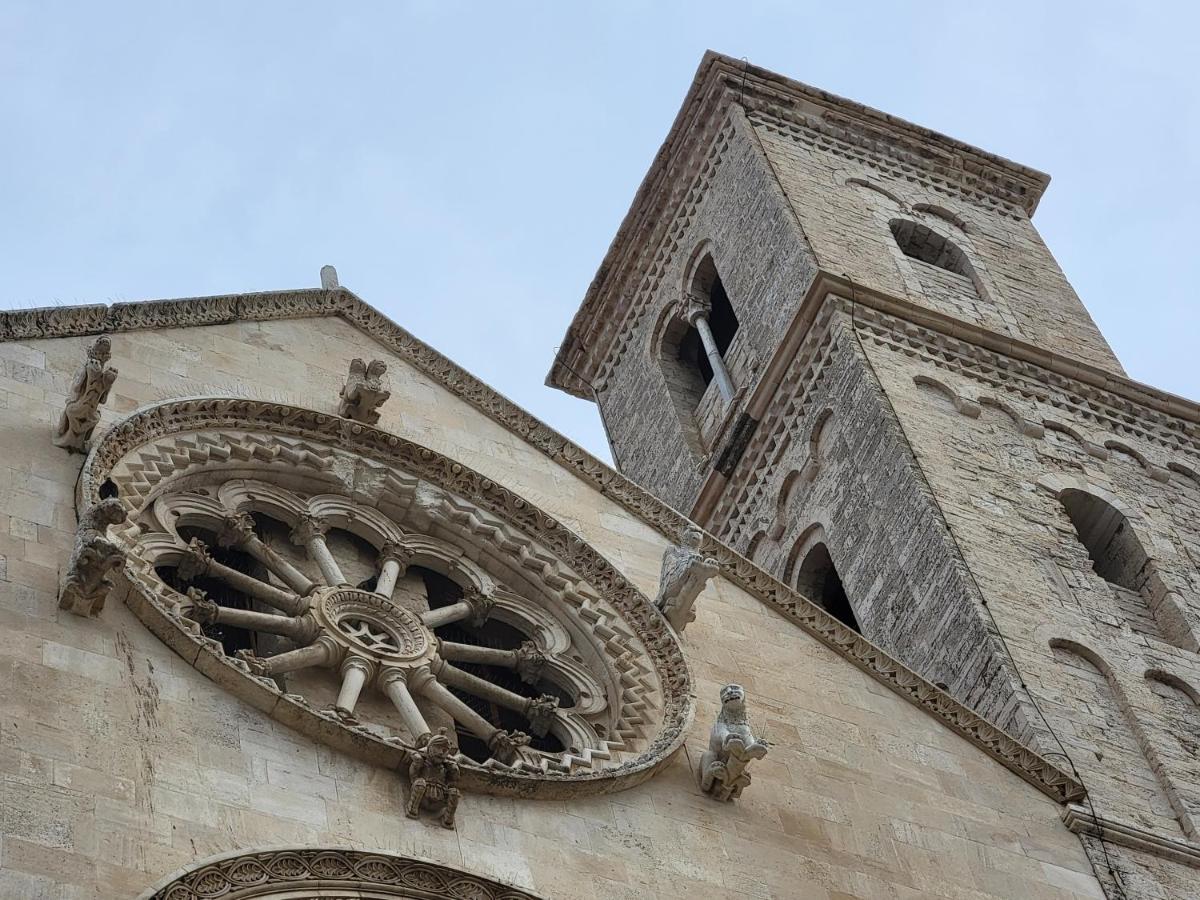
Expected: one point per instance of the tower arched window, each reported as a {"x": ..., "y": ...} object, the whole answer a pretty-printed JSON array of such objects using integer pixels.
[
  {"x": 711, "y": 325},
  {"x": 818, "y": 579},
  {"x": 1115, "y": 551},
  {"x": 925, "y": 245}
]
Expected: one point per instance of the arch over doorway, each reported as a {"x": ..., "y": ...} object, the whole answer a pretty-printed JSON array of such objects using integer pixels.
[{"x": 311, "y": 873}]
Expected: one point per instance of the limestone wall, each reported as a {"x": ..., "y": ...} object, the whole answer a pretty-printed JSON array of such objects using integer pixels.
[
  {"x": 121, "y": 763},
  {"x": 1114, "y": 670},
  {"x": 739, "y": 213},
  {"x": 845, "y": 197}
]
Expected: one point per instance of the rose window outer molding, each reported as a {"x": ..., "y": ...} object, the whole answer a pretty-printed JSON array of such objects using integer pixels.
[{"x": 371, "y": 593}]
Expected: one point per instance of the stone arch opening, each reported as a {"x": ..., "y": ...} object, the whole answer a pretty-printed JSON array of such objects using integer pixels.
[
  {"x": 1116, "y": 553},
  {"x": 817, "y": 578},
  {"x": 699, "y": 342},
  {"x": 922, "y": 243}
]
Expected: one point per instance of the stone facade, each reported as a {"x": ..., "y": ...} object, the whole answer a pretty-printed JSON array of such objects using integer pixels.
[
  {"x": 125, "y": 767},
  {"x": 144, "y": 752},
  {"x": 929, "y": 437}
]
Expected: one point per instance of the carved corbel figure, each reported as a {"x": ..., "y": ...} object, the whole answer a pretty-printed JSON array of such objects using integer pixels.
[
  {"x": 541, "y": 712},
  {"x": 507, "y": 745},
  {"x": 731, "y": 747},
  {"x": 685, "y": 572},
  {"x": 88, "y": 391},
  {"x": 363, "y": 392},
  {"x": 433, "y": 777},
  {"x": 531, "y": 662},
  {"x": 86, "y": 584}
]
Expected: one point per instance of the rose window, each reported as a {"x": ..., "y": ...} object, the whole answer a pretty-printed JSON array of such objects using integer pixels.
[{"x": 372, "y": 595}]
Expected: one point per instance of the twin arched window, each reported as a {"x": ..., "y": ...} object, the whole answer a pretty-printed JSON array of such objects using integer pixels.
[{"x": 693, "y": 346}]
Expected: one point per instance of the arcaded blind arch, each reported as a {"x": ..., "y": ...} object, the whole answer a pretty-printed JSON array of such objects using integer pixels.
[{"x": 1115, "y": 551}]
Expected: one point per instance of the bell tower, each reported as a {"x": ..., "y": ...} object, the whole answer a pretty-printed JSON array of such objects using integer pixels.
[{"x": 837, "y": 340}]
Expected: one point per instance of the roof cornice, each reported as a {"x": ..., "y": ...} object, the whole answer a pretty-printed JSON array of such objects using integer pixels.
[{"x": 720, "y": 83}]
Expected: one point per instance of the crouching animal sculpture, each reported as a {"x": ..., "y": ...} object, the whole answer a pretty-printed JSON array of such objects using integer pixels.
[
  {"x": 86, "y": 584},
  {"x": 731, "y": 747}
]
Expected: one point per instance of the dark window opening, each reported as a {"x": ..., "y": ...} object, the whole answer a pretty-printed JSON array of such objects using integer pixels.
[
  {"x": 1117, "y": 555},
  {"x": 441, "y": 590},
  {"x": 722, "y": 319},
  {"x": 818, "y": 580},
  {"x": 927, "y": 246},
  {"x": 501, "y": 636},
  {"x": 108, "y": 489},
  {"x": 692, "y": 355},
  {"x": 231, "y": 638}
]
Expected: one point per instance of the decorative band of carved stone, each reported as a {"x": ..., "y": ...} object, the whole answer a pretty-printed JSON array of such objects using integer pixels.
[
  {"x": 281, "y": 872},
  {"x": 294, "y": 304},
  {"x": 218, "y": 415},
  {"x": 1081, "y": 821}
]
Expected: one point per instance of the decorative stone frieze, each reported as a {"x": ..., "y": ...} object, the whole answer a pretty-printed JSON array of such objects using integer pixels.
[
  {"x": 685, "y": 572},
  {"x": 363, "y": 393},
  {"x": 89, "y": 391},
  {"x": 300, "y": 872},
  {"x": 732, "y": 746},
  {"x": 87, "y": 584}
]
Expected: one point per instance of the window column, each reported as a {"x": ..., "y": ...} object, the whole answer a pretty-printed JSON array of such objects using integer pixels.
[{"x": 696, "y": 313}]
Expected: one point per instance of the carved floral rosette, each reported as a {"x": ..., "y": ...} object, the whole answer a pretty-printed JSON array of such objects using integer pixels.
[{"x": 221, "y": 464}]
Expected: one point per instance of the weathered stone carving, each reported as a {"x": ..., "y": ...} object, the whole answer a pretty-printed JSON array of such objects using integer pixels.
[
  {"x": 541, "y": 712},
  {"x": 88, "y": 391},
  {"x": 363, "y": 393},
  {"x": 555, "y": 563},
  {"x": 86, "y": 584},
  {"x": 328, "y": 872},
  {"x": 685, "y": 572},
  {"x": 530, "y": 662},
  {"x": 731, "y": 747},
  {"x": 433, "y": 776}
]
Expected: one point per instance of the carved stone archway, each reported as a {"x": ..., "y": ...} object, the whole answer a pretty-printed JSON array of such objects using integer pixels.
[
  {"x": 270, "y": 520},
  {"x": 314, "y": 873}
]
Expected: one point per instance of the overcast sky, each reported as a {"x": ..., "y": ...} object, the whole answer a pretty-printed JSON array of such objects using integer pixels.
[{"x": 464, "y": 166}]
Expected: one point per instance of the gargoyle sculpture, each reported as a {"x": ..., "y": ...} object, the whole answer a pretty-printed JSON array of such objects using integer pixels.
[
  {"x": 433, "y": 776},
  {"x": 86, "y": 584},
  {"x": 88, "y": 391},
  {"x": 685, "y": 572},
  {"x": 731, "y": 746},
  {"x": 363, "y": 392}
]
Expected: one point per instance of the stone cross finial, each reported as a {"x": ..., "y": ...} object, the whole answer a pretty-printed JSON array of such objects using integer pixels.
[
  {"x": 685, "y": 572},
  {"x": 329, "y": 278},
  {"x": 86, "y": 585},
  {"x": 731, "y": 747},
  {"x": 89, "y": 390},
  {"x": 363, "y": 393}
]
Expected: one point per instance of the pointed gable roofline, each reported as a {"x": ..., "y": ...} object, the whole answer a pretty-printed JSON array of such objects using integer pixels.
[{"x": 721, "y": 82}]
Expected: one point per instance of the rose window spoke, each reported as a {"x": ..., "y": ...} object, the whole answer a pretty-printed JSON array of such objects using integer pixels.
[{"x": 420, "y": 641}]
